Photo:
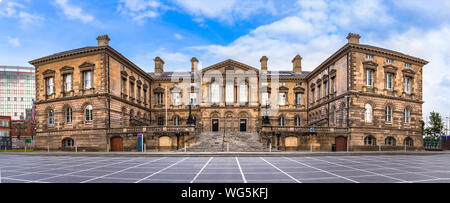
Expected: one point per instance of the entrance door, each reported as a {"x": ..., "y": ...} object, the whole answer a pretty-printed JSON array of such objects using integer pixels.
[
  {"x": 116, "y": 144},
  {"x": 243, "y": 126},
  {"x": 341, "y": 144},
  {"x": 215, "y": 125}
]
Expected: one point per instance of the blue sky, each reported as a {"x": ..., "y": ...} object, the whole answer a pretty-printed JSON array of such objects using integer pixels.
[{"x": 244, "y": 30}]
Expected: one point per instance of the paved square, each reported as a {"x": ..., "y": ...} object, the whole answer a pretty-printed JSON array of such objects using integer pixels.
[{"x": 316, "y": 169}]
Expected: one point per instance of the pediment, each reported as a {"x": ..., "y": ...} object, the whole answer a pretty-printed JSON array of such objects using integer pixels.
[
  {"x": 230, "y": 65},
  {"x": 158, "y": 90},
  {"x": 370, "y": 64},
  {"x": 299, "y": 89},
  {"x": 86, "y": 64},
  {"x": 66, "y": 68},
  {"x": 49, "y": 72}
]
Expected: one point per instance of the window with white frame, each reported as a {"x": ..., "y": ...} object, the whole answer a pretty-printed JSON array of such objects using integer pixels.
[
  {"x": 193, "y": 98},
  {"x": 298, "y": 121},
  {"x": 370, "y": 141},
  {"x": 88, "y": 113},
  {"x": 389, "y": 81},
  {"x": 159, "y": 99},
  {"x": 408, "y": 65},
  {"x": 50, "y": 85},
  {"x": 388, "y": 114},
  {"x": 407, "y": 116},
  {"x": 68, "y": 82},
  {"x": 282, "y": 98},
  {"x": 243, "y": 93},
  {"x": 229, "y": 91},
  {"x": 215, "y": 93},
  {"x": 265, "y": 98},
  {"x": 176, "y": 98},
  {"x": 369, "y": 78},
  {"x": 282, "y": 121},
  {"x": 390, "y": 61},
  {"x": 176, "y": 121},
  {"x": 298, "y": 98},
  {"x": 69, "y": 115},
  {"x": 87, "y": 75},
  {"x": 407, "y": 85},
  {"x": 369, "y": 57},
  {"x": 368, "y": 115},
  {"x": 51, "y": 118}
]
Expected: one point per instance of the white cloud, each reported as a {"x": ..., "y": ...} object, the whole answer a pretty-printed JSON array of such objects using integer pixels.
[
  {"x": 178, "y": 36},
  {"x": 11, "y": 9},
  {"x": 13, "y": 41},
  {"x": 226, "y": 10},
  {"x": 73, "y": 12},
  {"x": 139, "y": 10}
]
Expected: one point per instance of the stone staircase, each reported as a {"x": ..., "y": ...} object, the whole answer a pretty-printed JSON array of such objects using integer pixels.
[{"x": 237, "y": 142}]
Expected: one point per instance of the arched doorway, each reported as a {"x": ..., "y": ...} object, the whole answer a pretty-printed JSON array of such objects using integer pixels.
[
  {"x": 341, "y": 143},
  {"x": 116, "y": 144}
]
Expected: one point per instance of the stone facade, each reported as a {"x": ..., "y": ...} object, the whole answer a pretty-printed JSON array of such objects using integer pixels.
[{"x": 360, "y": 98}]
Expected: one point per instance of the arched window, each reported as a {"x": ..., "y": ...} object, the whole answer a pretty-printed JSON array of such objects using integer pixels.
[
  {"x": 370, "y": 140},
  {"x": 389, "y": 141},
  {"x": 282, "y": 121},
  {"x": 408, "y": 142},
  {"x": 407, "y": 116},
  {"x": 176, "y": 121},
  {"x": 68, "y": 142},
  {"x": 51, "y": 118},
  {"x": 69, "y": 115},
  {"x": 88, "y": 113},
  {"x": 298, "y": 121},
  {"x": 388, "y": 114},
  {"x": 368, "y": 114}
]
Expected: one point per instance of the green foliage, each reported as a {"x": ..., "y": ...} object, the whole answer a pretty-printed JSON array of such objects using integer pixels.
[{"x": 435, "y": 127}]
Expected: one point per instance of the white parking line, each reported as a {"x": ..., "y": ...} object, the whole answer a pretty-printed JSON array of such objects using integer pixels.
[
  {"x": 161, "y": 170},
  {"x": 321, "y": 170},
  {"x": 123, "y": 170},
  {"x": 378, "y": 174},
  {"x": 201, "y": 170},
  {"x": 240, "y": 169},
  {"x": 281, "y": 170}
]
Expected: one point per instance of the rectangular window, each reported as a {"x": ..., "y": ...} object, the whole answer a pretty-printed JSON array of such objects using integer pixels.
[
  {"x": 298, "y": 98},
  {"x": 159, "y": 99},
  {"x": 50, "y": 85},
  {"x": 388, "y": 114},
  {"x": 282, "y": 99},
  {"x": 215, "y": 93},
  {"x": 299, "y": 84},
  {"x": 131, "y": 89},
  {"x": 176, "y": 98},
  {"x": 390, "y": 61},
  {"x": 243, "y": 93},
  {"x": 87, "y": 79},
  {"x": 230, "y": 93},
  {"x": 408, "y": 65},
  {"x": 389, "y": 85},
  {"x": 265, "y": 98},
  {"x": 124, "y": 85},
  {"x": 407, "y": 116},
  {"x": 282, "y": 83},
  {"x": 408, "y": 85},
  {"x": 138, "y": 93},
  {"x": 68, "y": 82},
  {"x": 369, "y": 57},
  {"x": 193, "y": 98},
  {"x": 145, "y": 96},
  {"x": 369, "y": 78}
]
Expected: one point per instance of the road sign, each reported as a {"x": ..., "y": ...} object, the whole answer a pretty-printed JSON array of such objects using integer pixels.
[
  {"x": 27, "y": 141},
  {"x": 312, "y": 129}
]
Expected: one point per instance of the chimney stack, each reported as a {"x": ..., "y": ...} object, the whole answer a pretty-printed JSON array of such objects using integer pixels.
[
  {"x": 263, "y": 61},
  {"x": 194, "y": 62},
  {"x": 159, "y": 65},
  {"x": 353, "y": 38},
  {"x": 297, "y": 64},
  {"x": 103, "y": 40}
]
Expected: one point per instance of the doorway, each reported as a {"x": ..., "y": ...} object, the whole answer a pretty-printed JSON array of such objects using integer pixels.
[
  {"x": 243, "y": 125},
  {"x": 116, "y": 144},
  {"x": 215, "y": 125},
  {"x": 341, "y": 144}
]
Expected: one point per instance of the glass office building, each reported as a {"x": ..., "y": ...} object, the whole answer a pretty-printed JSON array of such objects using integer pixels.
[{"x": 17, "y": 91}]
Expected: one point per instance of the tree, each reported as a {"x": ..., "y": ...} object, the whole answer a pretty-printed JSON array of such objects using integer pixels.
[{"x": 435, "y": 127}]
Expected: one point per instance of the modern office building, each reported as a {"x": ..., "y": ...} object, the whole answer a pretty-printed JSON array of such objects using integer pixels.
[
  {"x": 360, "y": 98},
  {"x": 17, "y": 91}
]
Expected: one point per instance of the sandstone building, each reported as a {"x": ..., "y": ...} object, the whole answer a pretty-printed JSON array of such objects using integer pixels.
[{"x": 361, "y": 98}]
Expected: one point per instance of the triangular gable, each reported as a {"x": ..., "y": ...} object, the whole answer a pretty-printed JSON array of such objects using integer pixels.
[{"x": 230, "y": 64}]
